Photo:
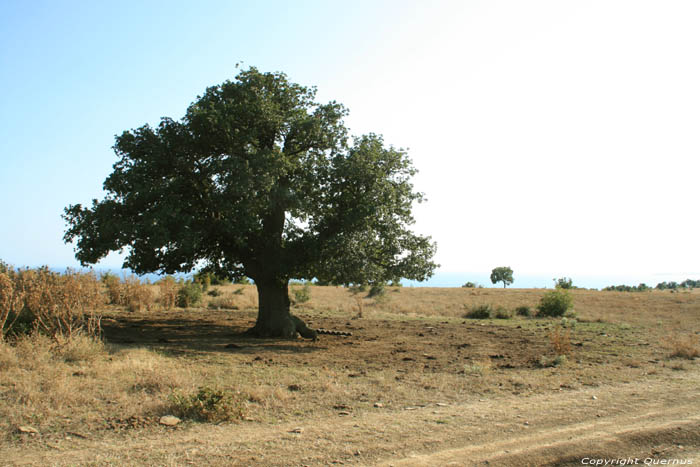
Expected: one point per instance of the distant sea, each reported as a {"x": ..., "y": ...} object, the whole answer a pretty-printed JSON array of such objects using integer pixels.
[{"x": 521, "y": 281}]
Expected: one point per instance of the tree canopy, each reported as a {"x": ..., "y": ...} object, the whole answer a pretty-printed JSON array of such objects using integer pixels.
[
  {"x": 502, "y": 274},
  {"x": 258, "y": 180}
]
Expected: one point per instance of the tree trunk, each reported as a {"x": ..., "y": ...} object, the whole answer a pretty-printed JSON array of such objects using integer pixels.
[{"x": 274, "y": 318}]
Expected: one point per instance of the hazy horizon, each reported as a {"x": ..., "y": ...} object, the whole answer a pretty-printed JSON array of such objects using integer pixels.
[{"x": 457, "y": 279}]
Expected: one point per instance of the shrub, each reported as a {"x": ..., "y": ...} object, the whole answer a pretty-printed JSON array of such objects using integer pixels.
[
  {"x": 685, "y": 347},
  {"x": 547, "y": 362},
  {"x": 190, "y": 294},
  {"x": 567, "y": 322},
  {"x": 357, "y": 288},
  {"x": 560, "y": 339},
  {"x": 136, "y": 295},
  {"x": 302, "y": 295},
  {"x": 207, "y": 279},
  {"x": 58, "y": 305},
  {"x": 502, "y": 313},
  {"x": 376, "y": 290},
  {"x": 215, "y": 293},
  {"x": 79, "y": 349},
  {"x": 555, "y": 303},
  {"x": 208, "y": 405},
  {"x": 479, "y": 312},
  {"x": 469, "y": 285},
  {"x": 115, "y": 290},
  {"x": 564, "y": 283},
  {"x": 523, "y": 311},
  {"x": 222, "y": 302},
  {"x": 168, "y": 289}
]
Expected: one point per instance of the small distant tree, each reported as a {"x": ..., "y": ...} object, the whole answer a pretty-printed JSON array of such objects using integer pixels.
[
  {"x": 564, "y": 283},
  {"x": 502, "y": 274}
]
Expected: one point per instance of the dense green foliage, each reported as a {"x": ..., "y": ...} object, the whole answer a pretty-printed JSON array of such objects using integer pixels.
[
  {"x": 258, "y": 180},
  {"x": 564, "y": 283},
  {"x": 627, "y": 288},
  {"x": 502, "y": 274},
  {"x": 479, "y": 312},
  {"x": 555, "y": 303},
  {"x": 189, "y": 294},
  {"x": 672, "y": 285}
]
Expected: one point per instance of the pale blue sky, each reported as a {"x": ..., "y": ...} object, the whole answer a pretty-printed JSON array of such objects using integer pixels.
[{"x": 556, "y": 137}]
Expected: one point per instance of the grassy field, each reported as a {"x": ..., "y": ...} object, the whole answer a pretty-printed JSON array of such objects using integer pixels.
[{"x": 410, "y": 349}]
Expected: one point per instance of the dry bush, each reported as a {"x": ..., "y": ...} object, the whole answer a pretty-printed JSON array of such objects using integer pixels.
[
  {"x": 8, "y": 356},
  {"x": 78, "y": 349},
  {"x": 687, "y": 347},
  {"x": 223, "y": 302},
  {"x": 137, "y": 295},
  {"x": 168, "y": 288},
  {"x": 209, "y": 405},
  {"x": 129, "y": 292},
  {"x": 54, "y": 304},
  {"x": 115, "y": 289},
  {"x": 560, "y": 340},
  {"x": 10, "y": 300}
]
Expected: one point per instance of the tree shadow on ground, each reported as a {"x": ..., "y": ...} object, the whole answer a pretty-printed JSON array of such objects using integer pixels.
[{"x": 187, "y": 333}]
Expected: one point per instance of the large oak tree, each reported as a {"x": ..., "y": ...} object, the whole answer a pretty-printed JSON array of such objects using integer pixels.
[{"x": 258, "y": 180}]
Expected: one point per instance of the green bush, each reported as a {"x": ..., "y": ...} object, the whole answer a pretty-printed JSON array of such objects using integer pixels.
[
  {"x": 564, "y": 283},
  {"x": 479, "y": 312},
  {"x": 555, "y": 303},
  {"x": 502, "y": 313},
  {"x": 357, "y": 288},
  {"x": 190, "y": 294},
  {"x": 302, "y": 295},
  {"x": 523, "y": 311},
  {"x": 377, "y": 290},
  {"x": 208, "y": 405},
  {"x": 469, "y": 285}
]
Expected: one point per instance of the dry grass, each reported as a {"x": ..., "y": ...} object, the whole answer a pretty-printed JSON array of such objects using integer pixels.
[
  {"x": 685, "y": 346},
  {"x": 58, "y": 305},
  {"x": 411, "y": 349}
]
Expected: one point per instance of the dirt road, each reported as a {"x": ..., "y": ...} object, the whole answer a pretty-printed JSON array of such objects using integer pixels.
[{"x": 653, "y": 420}]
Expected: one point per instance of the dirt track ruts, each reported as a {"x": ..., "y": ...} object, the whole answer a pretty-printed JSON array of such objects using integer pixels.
[{"x": 658, "y": 417}]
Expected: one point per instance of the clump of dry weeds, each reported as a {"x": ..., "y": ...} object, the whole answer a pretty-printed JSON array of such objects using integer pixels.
[
  {"x": 129, "y": 292},
  {"x": 208, "y": 405},
  {"x": 58, "y": 305},
  {"x": 560, "y": 340},
  {"x": 168, "y": 289},
  {"x": 687, "y": 347}
]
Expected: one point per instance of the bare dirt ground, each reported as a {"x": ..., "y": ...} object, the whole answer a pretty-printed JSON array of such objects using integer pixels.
[
  {"x": 655, "y": 420},
  {"x": 408, "y": 390}
]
